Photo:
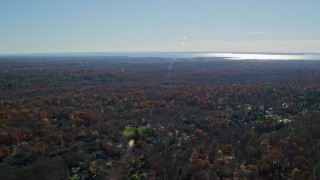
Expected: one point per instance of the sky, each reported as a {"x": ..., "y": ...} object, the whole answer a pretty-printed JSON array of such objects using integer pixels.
[{"x": 39, "y": 26}]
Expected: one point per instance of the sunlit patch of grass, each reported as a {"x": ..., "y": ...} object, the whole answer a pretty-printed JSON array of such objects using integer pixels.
[{"x": 128, "y": 131}]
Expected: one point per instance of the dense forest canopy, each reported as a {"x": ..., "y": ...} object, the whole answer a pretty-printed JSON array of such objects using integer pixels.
[{"x": 158, "y": 118}]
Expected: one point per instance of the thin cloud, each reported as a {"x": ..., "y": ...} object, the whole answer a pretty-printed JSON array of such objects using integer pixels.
[
  {"x": 257, "y": 32},
  {"x": 254, "y": 46},
  {"x": 264, "y": 33}
]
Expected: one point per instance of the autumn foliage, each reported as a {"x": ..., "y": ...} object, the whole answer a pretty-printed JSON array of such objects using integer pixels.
[{"x": 199, "y": 119}]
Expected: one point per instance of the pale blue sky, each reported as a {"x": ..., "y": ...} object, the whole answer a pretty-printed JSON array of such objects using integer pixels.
[{"x": 28, "y": 26}]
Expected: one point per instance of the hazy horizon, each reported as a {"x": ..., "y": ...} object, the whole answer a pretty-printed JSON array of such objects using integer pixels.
[{"x": 174, "y": 55}]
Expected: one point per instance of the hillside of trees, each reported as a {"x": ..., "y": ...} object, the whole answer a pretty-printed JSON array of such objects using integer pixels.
[{"x": 158, "y": 118}]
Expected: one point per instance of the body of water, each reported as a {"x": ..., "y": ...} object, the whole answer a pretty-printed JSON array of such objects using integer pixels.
[{"x": 261, "y": 56}]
